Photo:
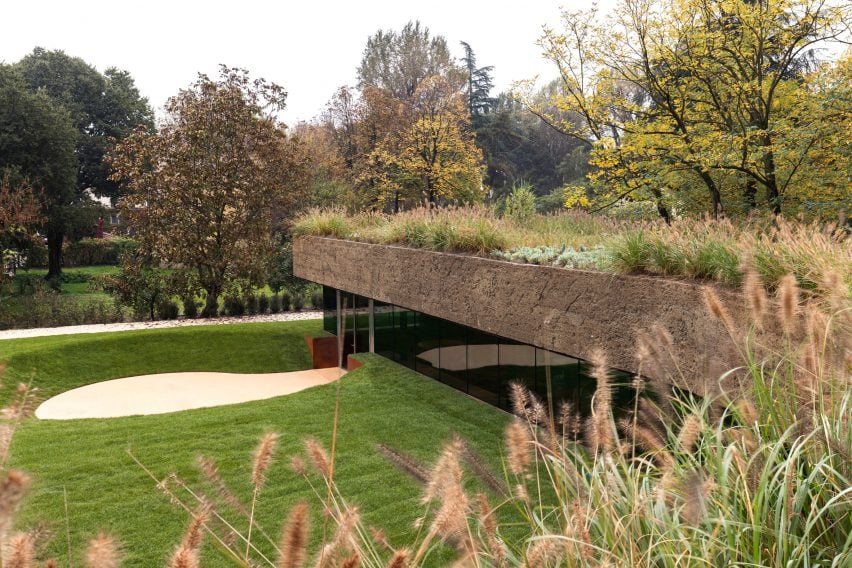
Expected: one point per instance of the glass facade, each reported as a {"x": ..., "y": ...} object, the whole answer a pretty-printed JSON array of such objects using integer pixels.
[{"x": 472, "y": 361}]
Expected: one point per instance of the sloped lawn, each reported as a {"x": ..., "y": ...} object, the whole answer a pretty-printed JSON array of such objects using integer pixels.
[{"x": 88, "y": 459}]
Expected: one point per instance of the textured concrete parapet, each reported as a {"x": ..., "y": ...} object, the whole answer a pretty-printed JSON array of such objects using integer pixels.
[{"x": 569, "y": 311}]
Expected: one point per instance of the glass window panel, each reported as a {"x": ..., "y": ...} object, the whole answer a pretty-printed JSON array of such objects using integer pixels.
[
  {"x": 428, "y": 347},
  {"x": 517, "y": 364},
  {"x": 483, "y": 366},
  {"x": 383, "y": 321},
  {"x": 329, "y": 306},
  {"x": 405, "y": 321},
  {"x": 453, "y": 355}
]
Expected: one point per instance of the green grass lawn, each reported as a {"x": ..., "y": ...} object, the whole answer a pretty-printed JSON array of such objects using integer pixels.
[{"x": 381, "y": 402}]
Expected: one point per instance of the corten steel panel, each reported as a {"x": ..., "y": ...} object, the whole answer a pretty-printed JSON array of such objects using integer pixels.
[{"x": 569, "y": 311}]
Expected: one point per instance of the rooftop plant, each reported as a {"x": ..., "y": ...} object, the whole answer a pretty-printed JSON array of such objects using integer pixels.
[{"x": 715, "y": 250}]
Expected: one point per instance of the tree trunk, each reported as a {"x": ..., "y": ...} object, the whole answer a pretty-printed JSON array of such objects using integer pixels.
[
  {"x": 715, "y": 196},
  {"x": 750, "y": 194},
  {"x": 55, "y": 238},
  {"x": 211, "y": 304}
]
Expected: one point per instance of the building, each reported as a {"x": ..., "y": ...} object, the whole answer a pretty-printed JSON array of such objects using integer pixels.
[{"x": 478, "y": 323}]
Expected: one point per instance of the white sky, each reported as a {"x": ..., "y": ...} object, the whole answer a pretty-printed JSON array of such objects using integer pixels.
[{"x": 309, "y": 47}]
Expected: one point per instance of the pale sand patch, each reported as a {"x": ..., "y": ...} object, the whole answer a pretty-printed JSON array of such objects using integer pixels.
[{"x": 170, "y": 392}]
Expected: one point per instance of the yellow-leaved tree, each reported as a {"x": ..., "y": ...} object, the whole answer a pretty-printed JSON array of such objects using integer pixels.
[
  {"x": 708, "y": 105},
  {"x": 433, "y": 158}
]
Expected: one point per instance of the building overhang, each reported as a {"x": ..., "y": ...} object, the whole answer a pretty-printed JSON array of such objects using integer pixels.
[{"x": 574, "y": 312}]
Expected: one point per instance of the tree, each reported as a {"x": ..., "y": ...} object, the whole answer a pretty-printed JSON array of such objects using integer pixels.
[
  {"x": 674, "y": 93},
  {"x": 37, "y": 145},
  {"x": 103, "y": 108},
  {"x": 397, "y": 62},
  {"x": 434, "y": 159},
  {"x": 204, "y": 192},
  {"x": 479, "y": 85}
]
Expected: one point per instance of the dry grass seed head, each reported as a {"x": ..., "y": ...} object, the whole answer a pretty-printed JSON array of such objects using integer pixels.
[
  {"x": 404, "y": 462},
  {"x": 717, "y": 309},
  {"x": 211, "y": 472},
  {"x": 518, "y": 447},
  {"x": 399, "y": 559},
  {"x": 519, "y": 397},
  {"x": 788, "y": 303},
  {"x": 263, "y": 458},
  {"x": 543, "y": 552},
  {"x": 690, "y": 430},
  {"x": 755, "y": 294},
  {"x": 294, "y": 539},
  {"x": 12, "y": 490},
  {"x": 319, "y": 457},
  {"x": 20, "y": 552},
  {"x": 102, "y": 552},
  {"x": 446, "y": 472}
]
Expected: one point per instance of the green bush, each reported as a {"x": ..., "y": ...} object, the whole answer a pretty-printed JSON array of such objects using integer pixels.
[
  {"x": 234, "y": 306},
  {"x": 167, "y": 310},
  {"x": 298, "y": 301},
  {"x": 285, "y": 302},
  {"x": 275, "y": 303},
  {"x": 262, "y": 304},
  {"x": 190, "y": 307},
  {"x": 92, "y": 252},
  {"x": 316, "y": 300},
  {"x": 520, "y": 204}
]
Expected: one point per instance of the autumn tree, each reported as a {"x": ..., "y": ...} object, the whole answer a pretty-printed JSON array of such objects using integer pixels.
[
  {"x": 204, "y": 192},
  {"x": 19, "y": 215},
  {"x": 434, "y": 158},
  {"x": 695, "y": 92}
]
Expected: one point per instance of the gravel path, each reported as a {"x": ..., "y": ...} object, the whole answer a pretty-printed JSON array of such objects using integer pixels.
[{"x": 126, "y": 326}]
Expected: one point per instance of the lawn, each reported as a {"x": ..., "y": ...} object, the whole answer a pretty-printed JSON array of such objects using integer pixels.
[{"x": 381, "y": 402}]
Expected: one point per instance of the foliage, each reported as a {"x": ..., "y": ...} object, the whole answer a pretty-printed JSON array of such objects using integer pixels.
[
  {"x": 98, "y": 109},
  {"x": 520, "y": 147},
  {"x": 397, "y": 62},
  {"x": 520, "y": 204},
  {"x": 700, "y": 106},
  {"x": 719, "y": 250},
  {"x": 140, "y": 286},
  {"x": 553, "y": 256},
  {"x": 19, "y": 213},
  {"x": 94, "y": 252},
  {"x": 479, "y": 84},
  {"x": 433, "y": 158},
  {"x": 43, "y": 306},
  {"x": 37, "y": 144},
  {"x": 206, "y": 190}
]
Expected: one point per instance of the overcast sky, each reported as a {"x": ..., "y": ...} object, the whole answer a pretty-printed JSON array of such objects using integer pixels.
[{"x": 309, "y": 47}]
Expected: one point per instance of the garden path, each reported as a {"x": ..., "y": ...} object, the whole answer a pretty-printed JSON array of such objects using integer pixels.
[{"x": 126, "y": 326}]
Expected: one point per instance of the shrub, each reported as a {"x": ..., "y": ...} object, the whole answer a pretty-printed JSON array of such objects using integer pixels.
[
  {"x": 90, "y": 252},
  {"x": 520, "y": 204},
  {"x": 316, "y": 300},
  {"x": 298, "y": 301},
  {"x": 275, "y": 303},
  {"x": 167, "y": 310},
  {"x": 262, "y": 303},
  {"x": 190, "y": 307},
  {"x": 285, "y": 302},
  {"x": 251, "y": 304},
  {"x": 234, "y": 305}
]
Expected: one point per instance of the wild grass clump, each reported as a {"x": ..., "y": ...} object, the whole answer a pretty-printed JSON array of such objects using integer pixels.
[
  {"x": 723, "y": 251},
  {"x": 718, "y": 250}
]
